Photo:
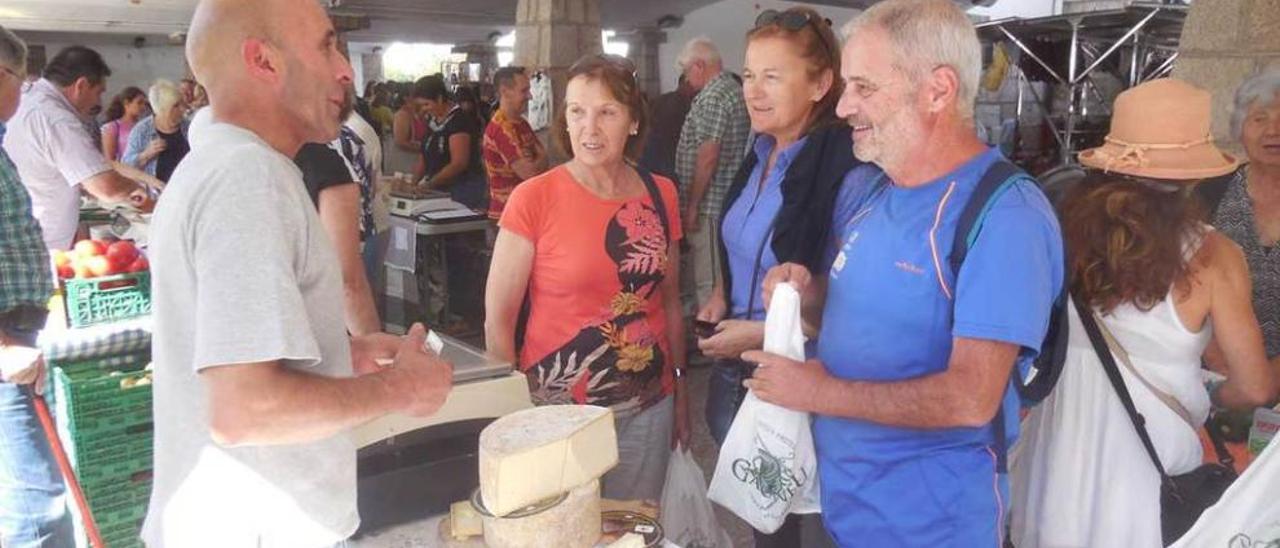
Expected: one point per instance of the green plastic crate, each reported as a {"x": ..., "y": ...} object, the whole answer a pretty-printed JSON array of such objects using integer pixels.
[
  {"x": 102, "y": 393},
  {"x": 94, "y": 301}
]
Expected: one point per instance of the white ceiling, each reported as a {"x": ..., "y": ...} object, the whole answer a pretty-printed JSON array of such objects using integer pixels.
[{"x": 438, "y": 21}]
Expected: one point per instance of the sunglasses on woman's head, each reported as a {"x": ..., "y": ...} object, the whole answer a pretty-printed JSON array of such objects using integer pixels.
[
  {"x": 790, "y": 20},
  {"x": 794, "y": 21}
]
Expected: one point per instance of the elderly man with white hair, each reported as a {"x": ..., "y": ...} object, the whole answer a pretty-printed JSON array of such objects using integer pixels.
[
  {"x": 712, "y": 143},
  {"x": 159, "y": 141},
  {"x": 910, "y": 392}
]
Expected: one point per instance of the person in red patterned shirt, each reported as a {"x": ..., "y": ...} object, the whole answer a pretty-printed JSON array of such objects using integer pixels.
[{"x": 512, "y": 153}]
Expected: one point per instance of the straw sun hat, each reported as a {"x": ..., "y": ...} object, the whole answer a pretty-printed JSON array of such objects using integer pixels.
[{"x": 1161, "y": 130}]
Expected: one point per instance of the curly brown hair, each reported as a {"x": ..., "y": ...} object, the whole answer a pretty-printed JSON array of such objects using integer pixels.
[{"x": 1122, "y": 236}]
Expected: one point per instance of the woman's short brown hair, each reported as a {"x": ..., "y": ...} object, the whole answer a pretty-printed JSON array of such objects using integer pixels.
[
  {"x": 817, "y": 44},
  {"x": 1125, "y": 238},
  {"x": 618, "y": 76}
]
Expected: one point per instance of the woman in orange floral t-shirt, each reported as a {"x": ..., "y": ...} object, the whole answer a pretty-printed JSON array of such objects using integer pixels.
[{"x": 594, "y": 245}]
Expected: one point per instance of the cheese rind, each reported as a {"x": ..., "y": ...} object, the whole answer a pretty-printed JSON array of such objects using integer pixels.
[
  {"x": 573, "y": 523},
  {"x": 629, "y": 540},
  {"x": 538, "y": 453},
  {"x": 464, "y": 521}
]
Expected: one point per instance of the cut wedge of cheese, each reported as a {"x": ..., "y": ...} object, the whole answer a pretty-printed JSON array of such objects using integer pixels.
[
  {"x": 538, "y": 453},
  {"x": 464, "y": 521}
]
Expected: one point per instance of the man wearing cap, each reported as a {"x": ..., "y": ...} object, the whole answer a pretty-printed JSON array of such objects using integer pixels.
[{"x": 914, "y": 361}]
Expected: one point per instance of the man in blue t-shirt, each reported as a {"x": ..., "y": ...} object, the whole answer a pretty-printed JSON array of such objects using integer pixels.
[{"x": 913, "y": 361}]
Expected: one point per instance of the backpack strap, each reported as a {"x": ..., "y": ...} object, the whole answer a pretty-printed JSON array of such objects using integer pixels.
[
  {"x": 994, "y": 182},
  {"x": 999, "y": 177}
]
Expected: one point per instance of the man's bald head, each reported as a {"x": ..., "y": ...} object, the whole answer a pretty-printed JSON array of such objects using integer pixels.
[
  {"x": 270, "y": 57},
  {"x": 219, "y": 28}
]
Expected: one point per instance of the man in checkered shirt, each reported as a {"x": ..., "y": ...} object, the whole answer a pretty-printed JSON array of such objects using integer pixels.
[
  {"x": 712, "y": 144},
  {"x": 32, "y": 509}
]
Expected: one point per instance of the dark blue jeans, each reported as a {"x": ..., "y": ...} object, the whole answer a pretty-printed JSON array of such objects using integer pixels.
[
  {"x": 33, "y": 510},
  {"x": 724, "y": 396}
]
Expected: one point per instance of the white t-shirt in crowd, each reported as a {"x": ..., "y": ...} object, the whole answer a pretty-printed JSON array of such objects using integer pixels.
[
  {"x": 54, "y": 150},
  {"x": 243, "y": 272}
]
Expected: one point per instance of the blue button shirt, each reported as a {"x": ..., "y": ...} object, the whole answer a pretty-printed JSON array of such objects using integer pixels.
[
  {"x": 888, "y": 317},
  {"x": 748, "y": 223}
]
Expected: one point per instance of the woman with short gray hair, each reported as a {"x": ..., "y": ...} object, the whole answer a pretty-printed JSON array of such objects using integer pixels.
[
  {"x": 159, "y": 142},
  {"x": 1250, "y": 210}
]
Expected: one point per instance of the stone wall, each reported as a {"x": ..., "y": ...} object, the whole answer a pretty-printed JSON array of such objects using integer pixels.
[{"x": 1223, "y": 43}]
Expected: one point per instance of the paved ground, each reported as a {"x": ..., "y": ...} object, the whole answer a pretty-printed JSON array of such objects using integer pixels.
[{"x": 413, "y": 535}]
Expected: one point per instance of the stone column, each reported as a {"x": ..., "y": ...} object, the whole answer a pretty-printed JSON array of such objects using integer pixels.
[
  {"x": 550, "y": 36},
  {"x": 486, "y": 55},
  {"x": 643, "y": 51},
  {"x": 1223, "y": 43}
]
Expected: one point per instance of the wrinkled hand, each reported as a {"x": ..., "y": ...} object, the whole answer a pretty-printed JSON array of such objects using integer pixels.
[
  {"x": 732, "y": 338},
  {"x": 680, "y": 430},
  {"x": 713, "y": 310},
  {"x": 154, "y": 148},
  {"x": 368, "y": 350},
  {"x": 788, "y": 383},
  {"x": 795, "y": 274},
  {"x": 22, "y": 365},
  {"x": 420, "y": 376}
]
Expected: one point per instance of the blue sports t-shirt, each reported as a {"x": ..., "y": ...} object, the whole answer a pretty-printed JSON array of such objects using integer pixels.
[{"x": 888, "y": 317}]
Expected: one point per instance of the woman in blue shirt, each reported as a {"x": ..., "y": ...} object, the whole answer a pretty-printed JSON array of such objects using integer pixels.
[{"x": 779, "y": 207}]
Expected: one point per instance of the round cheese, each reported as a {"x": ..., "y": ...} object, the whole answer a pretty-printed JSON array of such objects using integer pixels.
[
  {"x": 543, "y": 452},
  {"x": 573, "y": 523}
]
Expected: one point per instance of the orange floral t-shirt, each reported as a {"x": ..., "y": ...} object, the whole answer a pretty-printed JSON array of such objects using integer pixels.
[{"x": 597, "y": 329}]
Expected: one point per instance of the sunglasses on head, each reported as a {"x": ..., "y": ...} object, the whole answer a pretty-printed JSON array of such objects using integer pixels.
[
  {"x": 794, "y": 21},
  {"x": 790, "y": 20}
]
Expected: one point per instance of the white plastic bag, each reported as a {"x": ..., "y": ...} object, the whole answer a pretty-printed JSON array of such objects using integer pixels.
[
  {"x": 1246, "y": 516},
  {"x": 687, "y": 516},
  {"x": 767, "y": 466}
]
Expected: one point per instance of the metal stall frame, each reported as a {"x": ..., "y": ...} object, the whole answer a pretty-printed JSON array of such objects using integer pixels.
[{"x": 1151, "y": 31}]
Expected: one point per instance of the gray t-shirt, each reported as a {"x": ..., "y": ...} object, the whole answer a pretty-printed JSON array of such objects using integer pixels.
[{"x": 243, "y": 272}]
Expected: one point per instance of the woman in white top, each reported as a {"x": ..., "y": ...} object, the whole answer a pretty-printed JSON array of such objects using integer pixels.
[{"x": 1167, "y": 287}]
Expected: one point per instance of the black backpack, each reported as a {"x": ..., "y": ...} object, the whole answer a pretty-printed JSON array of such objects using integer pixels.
[{"x": 1047, "y": 366}]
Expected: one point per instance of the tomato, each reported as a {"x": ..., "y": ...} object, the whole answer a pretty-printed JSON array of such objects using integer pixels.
[
  {"x": 139, "y": 265},
  {"x": 122, "y": 254},
  {"x": 81, "y": 269},
  {"x": 90, "y": 248},
  {"x": 61, "y": 258},
  {"x": 99, "y": 266}
]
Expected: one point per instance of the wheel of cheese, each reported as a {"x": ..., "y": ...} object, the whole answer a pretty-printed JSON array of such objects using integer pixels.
[
  {"x": 573, "y": 523},
  {"x": 543, "y": 452}
]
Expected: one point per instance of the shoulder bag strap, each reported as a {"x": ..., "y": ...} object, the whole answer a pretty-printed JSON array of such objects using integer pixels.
[
  {"x": 1117, "y": 383},
  {"x": 1164, "y": 397},
  {"x": 658, "y": 204}
]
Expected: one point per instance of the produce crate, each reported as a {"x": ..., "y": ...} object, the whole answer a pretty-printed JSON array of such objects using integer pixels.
[
  {"x": 103, "y": 409},
  {"x": 93, "y": 301}
]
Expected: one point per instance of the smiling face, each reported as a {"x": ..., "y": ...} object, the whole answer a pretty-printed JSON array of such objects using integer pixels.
[
  {"x": 880, "y": 101},
  {"x": 598, "y": 123},
  {"x": 1261, "y": 133},
  {"x": 779, "y": 87}
]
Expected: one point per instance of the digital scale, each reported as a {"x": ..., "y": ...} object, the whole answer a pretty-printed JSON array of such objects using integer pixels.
[{"x": 411, "y": 204}]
